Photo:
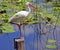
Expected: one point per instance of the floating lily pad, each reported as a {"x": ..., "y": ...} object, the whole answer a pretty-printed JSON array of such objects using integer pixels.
[
  {"x": 50, "y": 46},
  {"x": 7, "y": 28},
  {"x": 33, "y": 22},
  {"x": 51, "y": 41}
]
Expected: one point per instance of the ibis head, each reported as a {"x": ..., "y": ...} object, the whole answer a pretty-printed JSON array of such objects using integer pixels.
[{"x": 30, "y": 5}]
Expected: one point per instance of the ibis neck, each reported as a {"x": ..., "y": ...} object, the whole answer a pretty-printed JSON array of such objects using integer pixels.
[{"x": 29, "y": 9}]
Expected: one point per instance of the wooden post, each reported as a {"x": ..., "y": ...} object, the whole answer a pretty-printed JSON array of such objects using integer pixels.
[{"x": 19, "y": 43}]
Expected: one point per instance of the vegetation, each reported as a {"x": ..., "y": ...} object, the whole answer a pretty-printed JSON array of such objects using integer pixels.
[{"x": 9, "y": 7}]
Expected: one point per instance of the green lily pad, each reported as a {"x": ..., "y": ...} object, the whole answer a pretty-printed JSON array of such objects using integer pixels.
[
  {"x": 51, "y": 46},
  {"x": 7, "y": 28},
  {"x": 33, "y": 22},
  {"x": 51, "y": 41}
]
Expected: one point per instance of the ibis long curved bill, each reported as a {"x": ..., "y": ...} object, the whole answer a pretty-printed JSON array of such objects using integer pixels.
[{"x": 33, "y": 7}]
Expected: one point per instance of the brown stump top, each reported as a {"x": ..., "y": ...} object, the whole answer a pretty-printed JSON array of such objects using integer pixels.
[{"x": 19, "y": 40}]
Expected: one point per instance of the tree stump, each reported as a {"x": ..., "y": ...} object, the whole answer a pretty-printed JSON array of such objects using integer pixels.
[{"x": 19, "y": 44}]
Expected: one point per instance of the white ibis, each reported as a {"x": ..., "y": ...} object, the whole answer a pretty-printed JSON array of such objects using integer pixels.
[{"x": 21, "y": 16}]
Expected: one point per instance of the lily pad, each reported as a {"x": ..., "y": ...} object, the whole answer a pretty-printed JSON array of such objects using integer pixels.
[
  {"x": 33, "y": 22},
  {"x": 7, "y": 28},
  {"x": 51, "y": 41},
  {"x": 50, "y": 46}
]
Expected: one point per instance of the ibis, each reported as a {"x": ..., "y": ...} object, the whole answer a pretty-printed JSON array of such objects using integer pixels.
[{"x": 21, "y": 16}]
